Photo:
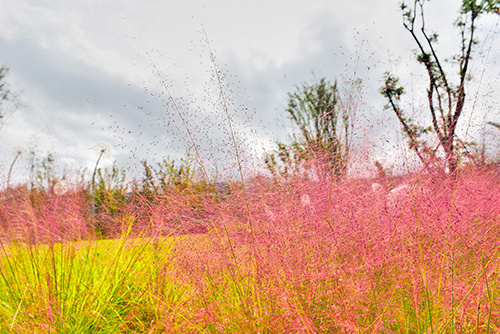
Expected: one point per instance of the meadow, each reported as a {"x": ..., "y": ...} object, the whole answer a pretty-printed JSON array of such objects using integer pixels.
[
  {"x": 238, "y": 238},
  {"x": 253, "y": 258}
]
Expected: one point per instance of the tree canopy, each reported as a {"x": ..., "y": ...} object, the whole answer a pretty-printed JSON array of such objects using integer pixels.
[{"x": 324, "y": 117}]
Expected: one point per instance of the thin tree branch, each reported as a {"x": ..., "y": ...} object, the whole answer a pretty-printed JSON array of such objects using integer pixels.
[{"x": 438, "y": 63}]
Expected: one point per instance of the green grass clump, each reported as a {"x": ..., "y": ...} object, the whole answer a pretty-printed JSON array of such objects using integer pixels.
[{"x": 85, "y": 287}]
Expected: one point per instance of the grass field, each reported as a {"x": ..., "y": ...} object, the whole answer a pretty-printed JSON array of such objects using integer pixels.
[{"x": 339, "y": 264}]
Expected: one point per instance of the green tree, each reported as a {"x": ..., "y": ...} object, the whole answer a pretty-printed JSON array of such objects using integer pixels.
[
  {"x": 445, "y": 99},
  {"x": 324, "y": 117}
]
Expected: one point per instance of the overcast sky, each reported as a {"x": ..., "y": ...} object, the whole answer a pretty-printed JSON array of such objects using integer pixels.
[{"x": 140, "y": 74}]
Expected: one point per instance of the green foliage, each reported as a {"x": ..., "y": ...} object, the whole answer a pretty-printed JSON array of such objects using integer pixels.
[
  {"x": 392, "y": 90},
  {"x": 170, "y": 175},
  {"x": 181, "y": 190},
  {"x": 110, "y": 188},
  {"x": 110, "y": 196},
  {"x": 324, "y": 119},
  {"x": 312, "y": 108},
  {"x": 167, "y": 174},
  {"x": 477, "y": 8}
]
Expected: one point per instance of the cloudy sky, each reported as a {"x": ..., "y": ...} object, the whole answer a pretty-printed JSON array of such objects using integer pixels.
[{"x": 141, "y": 75}]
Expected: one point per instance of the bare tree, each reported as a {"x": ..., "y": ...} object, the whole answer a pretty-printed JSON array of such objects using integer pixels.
[{"x": 445, "y": 100}]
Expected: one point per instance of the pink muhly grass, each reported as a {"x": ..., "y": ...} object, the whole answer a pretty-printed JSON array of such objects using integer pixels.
[
  {"x": 43, "y": 215},
  {"x": 338, "y": 263},
  {"x": 414, "y": 258}
]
